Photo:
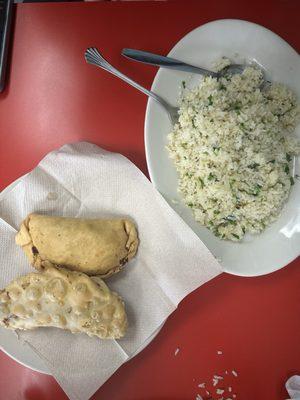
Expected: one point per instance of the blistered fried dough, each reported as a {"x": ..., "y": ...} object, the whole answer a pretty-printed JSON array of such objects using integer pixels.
[
  {"x": 63, "y": 299},
  {"x": 93, "y": 246}
]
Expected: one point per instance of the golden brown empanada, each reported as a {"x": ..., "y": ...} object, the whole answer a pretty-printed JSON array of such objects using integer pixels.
[
  {"x": 93, "y": 246},
  {"x": 63, "y": 299}
]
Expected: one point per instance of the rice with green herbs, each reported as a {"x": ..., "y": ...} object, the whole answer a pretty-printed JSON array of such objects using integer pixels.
[{"x": 233, "y": 148}]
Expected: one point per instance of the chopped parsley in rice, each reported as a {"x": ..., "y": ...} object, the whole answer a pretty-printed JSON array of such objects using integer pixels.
[{"x": 233, "y": 148}]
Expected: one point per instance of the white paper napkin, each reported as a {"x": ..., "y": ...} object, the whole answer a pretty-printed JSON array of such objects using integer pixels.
[
  {"x": 82, "y": 180},
  {"x": 293, "y": 387}
]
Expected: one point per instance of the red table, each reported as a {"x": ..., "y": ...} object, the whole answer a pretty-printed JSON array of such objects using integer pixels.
[{"x": 52, "y": 98}]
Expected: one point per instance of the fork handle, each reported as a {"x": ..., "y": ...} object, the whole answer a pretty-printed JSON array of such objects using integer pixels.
[
  {"x": 164, "y": 62},
  {"x": 93, "y": 57}
]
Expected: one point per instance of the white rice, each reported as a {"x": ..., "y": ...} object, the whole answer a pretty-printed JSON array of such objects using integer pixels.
[{"x": 232, "y": 148}]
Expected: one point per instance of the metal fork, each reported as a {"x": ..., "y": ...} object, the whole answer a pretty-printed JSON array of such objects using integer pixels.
[{"x": 92, "y": 56}]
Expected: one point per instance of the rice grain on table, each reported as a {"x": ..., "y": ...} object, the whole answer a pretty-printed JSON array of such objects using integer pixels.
[
  {"x": 215, "y": 381},
  {"x": 218, "y": 377},
  {"x": 233, "y": 148}
]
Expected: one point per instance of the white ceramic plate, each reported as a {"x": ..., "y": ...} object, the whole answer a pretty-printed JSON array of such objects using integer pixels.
[
  {"x": 9, "y": 343},
  {"x": 22, "y": 353},
  {"x": 242, "y": 42}
]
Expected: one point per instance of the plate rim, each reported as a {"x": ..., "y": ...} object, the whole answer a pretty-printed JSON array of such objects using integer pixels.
[{"x": 23, "y": 363}]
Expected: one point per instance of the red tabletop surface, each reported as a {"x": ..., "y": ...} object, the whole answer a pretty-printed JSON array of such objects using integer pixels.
[{"x": 53, "y": 98}]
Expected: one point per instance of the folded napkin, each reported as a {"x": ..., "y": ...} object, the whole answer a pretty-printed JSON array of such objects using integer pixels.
[
  {"x": 82, "y": 180},
  {"x": 293, "y": 387}
]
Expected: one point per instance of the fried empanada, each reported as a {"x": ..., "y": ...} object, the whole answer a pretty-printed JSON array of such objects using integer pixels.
[
  {"x": 93, "y": 246},
  {"x": 63, "y": 299}
]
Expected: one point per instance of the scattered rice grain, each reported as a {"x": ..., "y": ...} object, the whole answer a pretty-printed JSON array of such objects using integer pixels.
[{"x": 218, "y": 377}]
